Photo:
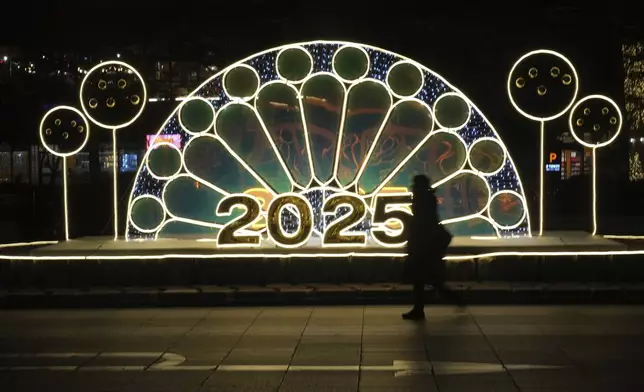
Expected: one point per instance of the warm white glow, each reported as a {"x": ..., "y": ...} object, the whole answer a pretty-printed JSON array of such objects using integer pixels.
[
  {"x": 299, "y": 213},
  {"x": 487, "y": 138},
  {"x": 244, "y": 230},
  {"x": 21, "y": 244},
  {"x": 183, "y": 103},
  {"x": 510, "y": 192},
  {"x": 65, "y": 207},
  {"x": 347, "y": 231},
  {"x": 129, "y": 213},
  {"x": 342, "y": 120},
  {"x": 469, "y": 109},
  {"x": 115, "y": 173},
  {"x": 541, "y": 176},
  {"x": 594, "y": 147},
  {"x": 297, "y": 47},
  {"x": 535, "y": 53},
  {"x": 356, "y": 46},
  {"x": 42, "y": 125},
  {"x": 144, "y": 98},
  {"x": 147, "y": 157},
  {"x": 422, "y": 79},
  {"x": 618, "y": 125},
  {"x": 223, "y": 83}
]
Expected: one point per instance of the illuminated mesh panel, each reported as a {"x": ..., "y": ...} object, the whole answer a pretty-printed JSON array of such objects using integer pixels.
[{"x": 321, "y": 118}]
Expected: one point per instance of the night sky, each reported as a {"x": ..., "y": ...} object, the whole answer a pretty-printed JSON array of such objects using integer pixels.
[{"x": 473, "y": 47}]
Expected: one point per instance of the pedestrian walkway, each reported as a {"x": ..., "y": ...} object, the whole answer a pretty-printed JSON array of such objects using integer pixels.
[{"x": 341, "y": 348}]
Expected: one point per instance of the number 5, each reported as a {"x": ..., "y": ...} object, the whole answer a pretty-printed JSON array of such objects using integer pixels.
[{"x": 388, "y": 209}]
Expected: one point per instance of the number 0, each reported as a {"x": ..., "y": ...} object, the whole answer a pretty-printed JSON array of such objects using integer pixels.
[{"x": 305, "y": 222}]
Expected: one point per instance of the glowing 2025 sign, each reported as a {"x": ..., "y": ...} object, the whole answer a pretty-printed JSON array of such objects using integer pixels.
[{"x": 321, "y": 140}]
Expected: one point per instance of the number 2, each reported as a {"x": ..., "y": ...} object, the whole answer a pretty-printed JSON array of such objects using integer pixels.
[
  {"x": 236, "y": 233},
  {"x": 338, "y": 232}
]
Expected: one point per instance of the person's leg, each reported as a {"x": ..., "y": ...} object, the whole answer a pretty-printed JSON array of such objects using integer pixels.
[{"x": 417, "y": 312}]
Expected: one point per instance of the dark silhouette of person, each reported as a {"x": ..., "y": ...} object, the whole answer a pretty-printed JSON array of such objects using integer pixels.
[{"x": 427, "y": 242}]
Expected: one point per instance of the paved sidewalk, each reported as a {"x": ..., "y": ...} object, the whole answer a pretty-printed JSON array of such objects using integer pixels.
[
  {"x": 342, "y": 348},
  {"x": 323, "y": 294}
]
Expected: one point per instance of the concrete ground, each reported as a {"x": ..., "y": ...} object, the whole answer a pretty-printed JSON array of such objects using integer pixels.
[{"x": 481, "y": 348}]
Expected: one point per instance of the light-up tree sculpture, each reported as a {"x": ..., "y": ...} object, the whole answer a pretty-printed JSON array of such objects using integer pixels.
[
  {"x": 64, "y": 131},
  {"x": 595, "y": 121},
  {"x": 113, "y": 96},
  {"x": 542, "y": 86}
]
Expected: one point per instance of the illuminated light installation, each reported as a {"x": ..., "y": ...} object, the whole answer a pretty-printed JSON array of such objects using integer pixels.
[
  {"x": 534, "y": 79},
  {"x": 326, "y": 137},
  {"x": 63, "y": 132},
  {"x": 113, "y": 95},
  {"x": 595, "y": 121}
]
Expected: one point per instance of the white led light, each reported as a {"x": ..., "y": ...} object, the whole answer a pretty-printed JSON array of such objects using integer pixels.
[
  {"x": 147, "y": 157},
  {"x": 277, "y": 59},
  {"x": 186, "y": 101},
  {"x": 131, "y": 218},
  {"x": 469, "y": 110},
  {"x": 223, "y": 82},
  {"x": 394, "y": 172},
  {"x": 487, "y": 138},
  {"x": 422, "y": 78},
  {"x": 594, "y": 147},
  {"x": 507, "y": 192},
  {"x": 356, "y": 46}
]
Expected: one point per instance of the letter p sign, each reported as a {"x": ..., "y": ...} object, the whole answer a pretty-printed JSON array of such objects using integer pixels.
[{"x": 553, "y": 157}]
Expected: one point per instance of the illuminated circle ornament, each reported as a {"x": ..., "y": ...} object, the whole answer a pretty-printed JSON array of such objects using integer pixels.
[
  {"x": 196, "y": 115},
  {"x": 542, "y": 85},
  {"x": 113, "y": 94},
  {"x": 595, "y": 122},
  {"x": 64, "y": 131},
  {"x": 314, "y": 145}
]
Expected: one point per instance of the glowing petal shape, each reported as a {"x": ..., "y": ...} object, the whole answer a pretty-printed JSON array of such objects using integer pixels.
[
  {"x": 178, "y": 229},
  {"x": 239, "y": 127},
  {"x": 409, "y": 124},
  {"x": 461, "y": 196},
  {"x": 279, "y": 108},
  {"x": 476, "y": 226},
  {"x": 367, "y": 106},
  {"x": 442, "y": 155},
  {"x": 196, "y": 115},
  {"x": 147, "y": 214},
  {"x": 164, "y": 160},
  {"x": 507, "y": 209},
  {"x": 322, "y": 102},
  {"x": 317, "y": 119},
  {"x": 208, "y": 160},
  {"x": 487, "y": 156},
  {"x": 187, "y": 199}
]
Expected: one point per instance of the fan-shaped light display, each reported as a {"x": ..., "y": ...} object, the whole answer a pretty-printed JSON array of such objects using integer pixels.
[{"x": 326, "y": 138}]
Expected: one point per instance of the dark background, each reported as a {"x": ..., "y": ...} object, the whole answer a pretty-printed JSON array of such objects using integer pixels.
[{"x": 471, "y": 45}]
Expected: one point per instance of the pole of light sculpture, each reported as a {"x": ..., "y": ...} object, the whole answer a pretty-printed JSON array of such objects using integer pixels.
[
  {"x": 542, "y": 86},
  {"x": 595, "y": 122},
  {"x": 64, "y": 131},
  {"x": 113, "y": 95}
]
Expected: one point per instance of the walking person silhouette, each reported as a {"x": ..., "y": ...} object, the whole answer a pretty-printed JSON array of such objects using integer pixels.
[{"x": 427, "y": 244}]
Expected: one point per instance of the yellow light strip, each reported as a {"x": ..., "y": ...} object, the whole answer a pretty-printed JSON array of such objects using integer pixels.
[
  {"x": 66, "y": 215},
  {"x": 115, "y": 171},
  {"x": 595, "y": 146},
  {"x": 322, "y": 255},
  {"x": 455, "y": 91},
  {"x": 623, "y": 237},
  {"x": 33, "y": 243},
  {"x": 541, "y": 175}
]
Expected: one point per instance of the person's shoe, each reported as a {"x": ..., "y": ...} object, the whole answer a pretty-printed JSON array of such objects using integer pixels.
[{"x": 414, "y": 315}]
